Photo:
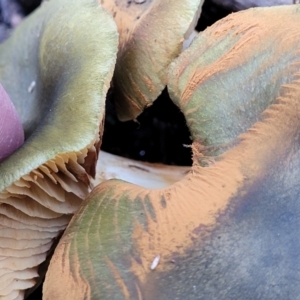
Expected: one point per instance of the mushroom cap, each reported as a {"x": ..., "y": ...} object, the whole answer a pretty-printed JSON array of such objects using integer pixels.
[
  {"x": 151, "y": 36},
  {"x": 227, "y": 230},
  {"x": 246, "y": 57},
  {"x": 68, "y": 49}
]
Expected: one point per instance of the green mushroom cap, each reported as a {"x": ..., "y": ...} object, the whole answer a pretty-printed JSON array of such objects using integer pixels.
[{"x": 151, "y": 36}]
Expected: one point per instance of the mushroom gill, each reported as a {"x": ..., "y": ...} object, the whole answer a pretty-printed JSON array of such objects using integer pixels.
[
  {"x": 230, "y": 228},
  {"x": 68, "y": 50}
]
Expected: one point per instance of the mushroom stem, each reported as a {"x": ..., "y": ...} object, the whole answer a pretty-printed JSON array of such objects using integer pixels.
[{"x": 147, "y": 175}]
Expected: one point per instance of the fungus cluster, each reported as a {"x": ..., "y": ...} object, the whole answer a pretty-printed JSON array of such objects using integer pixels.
[{"x": 238, "y": 87}]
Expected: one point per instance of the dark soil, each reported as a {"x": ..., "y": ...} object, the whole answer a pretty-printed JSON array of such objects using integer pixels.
[{"x": 159, "y": 134}]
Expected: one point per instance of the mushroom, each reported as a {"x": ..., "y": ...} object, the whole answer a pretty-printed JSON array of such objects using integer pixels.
[
  {"x": 151, "y": 36},
  {"x": 57, "y": 74},
  {"x": 230, "y": 228},
  {"x": 149, "y": 175}
]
